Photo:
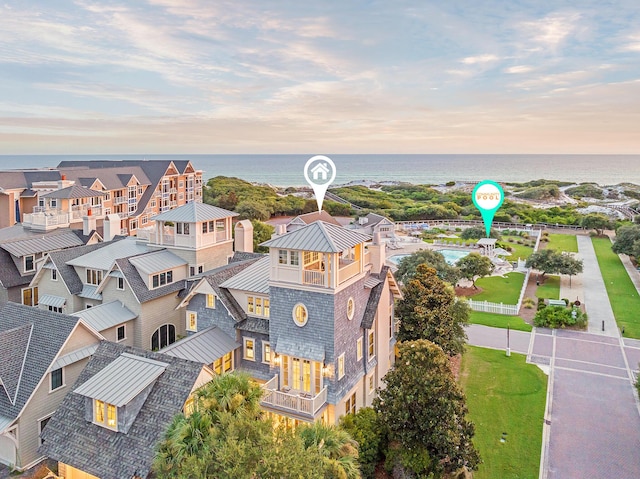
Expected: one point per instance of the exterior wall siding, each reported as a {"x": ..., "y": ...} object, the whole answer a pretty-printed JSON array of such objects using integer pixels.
[
  {"x": 126, "y": 297},
  {"x": 256, "y": 368},
  {"x": 57, "y": 288},
  {"x": 207, "y": 317},
  {"x": 158, "y": 312},
  {"x": 111, "y": 334}
]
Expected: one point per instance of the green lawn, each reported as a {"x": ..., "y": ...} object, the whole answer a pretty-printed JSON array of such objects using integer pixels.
[
  {"x": 500, "y": 290},
  {"x": 505, "y": 395},
  {"x": 561, "y": 242},
  {"x": 623, "y": 295},
  {"x": 499, "y": 321},
  {"x": 550, "y": 289},
  {"x": 519, "y": 251}
]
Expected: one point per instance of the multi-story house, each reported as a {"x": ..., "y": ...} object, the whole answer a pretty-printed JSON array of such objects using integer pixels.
[
  {"x": 109, "y": 425},
  {"x": 312, "y": 320},
  {"x": 135, "y": 190},
  {"x": 41, "y": 355},
  {"x": 130, "y": 289},
  {"x": 22, "y": 251}
]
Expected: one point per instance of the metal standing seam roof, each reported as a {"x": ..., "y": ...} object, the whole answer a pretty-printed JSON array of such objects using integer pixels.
[
  {"x": 4, "y": 422},
  {"x": 105, "y": 316},
  {"x": 122, "y": 380},
  {"x": 254, "y": 279},
  {"x": 194, "y": 213},
  {"x": 74, "y": 191},
  {"x": 319, "y": 236},
  {"x": 42, "y": 244},
  {"x": 73, "y": 357},
  {"x": 52, "y": 300},
  {"x": 204, "y": 347},
  {"x": 156, "y": 261},
  {"x": 103, "y": 258},
  {"x": 89, "y": 292}
]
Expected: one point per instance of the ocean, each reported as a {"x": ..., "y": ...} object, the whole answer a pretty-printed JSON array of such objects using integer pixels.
[{"x": 287, "y": 170}]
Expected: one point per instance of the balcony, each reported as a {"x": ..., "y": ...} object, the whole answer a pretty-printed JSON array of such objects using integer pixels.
[
  {"x": 301, "y": 404},
  {"x": 348, "y": 269},
  {"x": 45, "y": 221},
  {"x": 79, "y": 211},
  {"x": 119, "y": 200}
]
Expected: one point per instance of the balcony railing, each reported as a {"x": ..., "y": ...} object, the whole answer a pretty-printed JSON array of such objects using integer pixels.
[
  {"x": 348, "y": 271},
  {"x": 118, "y": 200},
  {"x": 303, "y": 404},
  {"x": 314, "y": 277},
  {"x": 45, "y": 221}
]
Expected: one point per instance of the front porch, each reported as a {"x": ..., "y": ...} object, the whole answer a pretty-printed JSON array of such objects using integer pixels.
[{"x": 298, "y": 403}]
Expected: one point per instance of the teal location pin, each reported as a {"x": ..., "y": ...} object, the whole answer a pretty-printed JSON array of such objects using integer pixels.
[{"x": 488, "y": 197}]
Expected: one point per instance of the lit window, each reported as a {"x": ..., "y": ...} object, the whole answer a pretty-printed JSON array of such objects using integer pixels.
[
  {"x": 259, "y": 306},
  {"x": 121, "y": 333},
  {"x": 341, "y": 366},
  {"x": 211, "y": 301},
  {"x": 30, "y": 296},
  {"x": 29, "y": 263},
  {"x": 192, "y": 321},
  {"x": 54, "y": 275},
  {"x": 223, "y": 364},
  {"x": 267, "y": 310},
  {"x": 99, "y": 411},
  {"x": 351, "y": 308},
  {"x": 266, "y": 352},
  {"x": 111, "y": 415},
  {"x": 350, "y": 404},
  {"x": 300, "y": 314},
  {"x": 57, "y": 379},
  {"x": 250, "y": 305},
  {"x": 249, "y": 349},
  {"x": 372, "y": 345},
  {"x": 359, "y": 349}
]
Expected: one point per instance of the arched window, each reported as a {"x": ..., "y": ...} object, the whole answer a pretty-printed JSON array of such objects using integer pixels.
[{"x": 163, "y": 336}]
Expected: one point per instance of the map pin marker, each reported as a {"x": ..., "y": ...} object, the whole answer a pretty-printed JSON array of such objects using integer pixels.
[
  {"x": 488, "y": 197},
  {"x": 316, "y": 171}
]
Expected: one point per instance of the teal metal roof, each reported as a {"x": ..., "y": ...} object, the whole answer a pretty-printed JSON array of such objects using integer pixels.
[
  {"x": 319, "y": 236},
  {"x": 194, "y": 213},
  {"x": 254, "y": 279}
]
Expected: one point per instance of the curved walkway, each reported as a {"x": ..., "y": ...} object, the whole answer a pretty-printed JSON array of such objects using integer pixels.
[{"x": 592, "y": 420}]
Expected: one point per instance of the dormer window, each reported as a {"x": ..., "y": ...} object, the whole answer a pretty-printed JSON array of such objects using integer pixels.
[
  {"x": 94, "y": 276},
  {"x": 105, "y": 414},
  {"x": 182, "y": 228},
  {"x": 161, "y": 279},
  {"x": 288, "y": 257},
  {"x": 29, "y": 263}
]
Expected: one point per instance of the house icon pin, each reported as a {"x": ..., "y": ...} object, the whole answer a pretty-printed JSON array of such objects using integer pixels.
[{"x": 320, "y": 170}]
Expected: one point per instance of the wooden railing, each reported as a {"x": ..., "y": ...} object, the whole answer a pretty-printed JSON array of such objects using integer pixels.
[
  {"x": 348, "y": 271},
  {"x": 314, "y": 277},
  {"x": 307, "y": 406}
]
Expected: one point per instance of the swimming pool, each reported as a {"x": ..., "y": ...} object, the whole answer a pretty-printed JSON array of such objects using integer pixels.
[{"x": 451, "y": 256}]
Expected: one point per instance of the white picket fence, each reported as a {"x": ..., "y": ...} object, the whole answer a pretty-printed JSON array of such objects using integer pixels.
[{"x": 497, "y": 308}]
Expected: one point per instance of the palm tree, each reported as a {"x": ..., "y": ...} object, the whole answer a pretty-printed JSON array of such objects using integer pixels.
[
  {"x": 338, "y": 450},
  {"x": 234, "y": 393}
]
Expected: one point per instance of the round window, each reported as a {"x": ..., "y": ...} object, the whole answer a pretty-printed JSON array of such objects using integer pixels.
[
  {"x": 351, "y": 308},
  {"x": 300, "y": 314}
]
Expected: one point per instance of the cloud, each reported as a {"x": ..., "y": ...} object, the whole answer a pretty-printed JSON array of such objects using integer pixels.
[
  {"x": 632, "y": 44},
  {"x": 551, "y": 31},
  {"x": 487, "y": 58},
  {"x": 519, "y": 69}
]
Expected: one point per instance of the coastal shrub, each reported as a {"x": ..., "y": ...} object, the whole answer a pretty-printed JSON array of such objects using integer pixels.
[
  {"x": 477, "y": 232},
  {"x": 450, "y": 183},
  {"x": 365, "y": 428},
  {"x": 541, "y": 304},
  {"x": 542, "y": 192},
  {"x": 528, "y": 303},
  {"x": 559, "y": 317},
  {"x": 585, "y": 190}
]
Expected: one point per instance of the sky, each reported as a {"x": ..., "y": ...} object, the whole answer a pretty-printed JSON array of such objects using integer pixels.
[{"x": 238, "y": 76}]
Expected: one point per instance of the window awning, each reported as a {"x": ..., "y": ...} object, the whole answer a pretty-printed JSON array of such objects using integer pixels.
[
  {"x": 287, "y": 347},
  {"x": 51, "y": 300},
  {"x": 89, "y": 292}
]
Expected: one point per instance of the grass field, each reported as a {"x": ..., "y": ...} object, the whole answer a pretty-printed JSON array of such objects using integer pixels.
[
  {"x": 499, "y": 321},
  {"x": 623, "y": 295},
  {"x": 505, "y": 395},
  {"x": 561, "y": 242},
  {"x": 550, "y": 289},
  {"x": 500, "y": 290},
  {"x": 519, "y": 251}
]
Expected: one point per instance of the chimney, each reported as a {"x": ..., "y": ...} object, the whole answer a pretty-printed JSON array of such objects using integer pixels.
[
  {"x": 280, "y": 230},
  {"x": 243, "y": 242},
  {"x": 377, "y": 253},
  {"x": 111, "y": 226},
  {"x": 88, "y": 223},
  {"x": 63, "y": 177}
]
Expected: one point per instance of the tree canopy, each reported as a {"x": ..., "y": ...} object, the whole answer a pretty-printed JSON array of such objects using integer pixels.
[
  {"x": 228, "y": 436},
  {"x": 554, "y": 262},
  {"x": 627, "y": 240},
  {"x": 474, "y": 266},
  {"x": 477, "y": 232},
  {"x": 424, "y": 410},
  {"x": 596, "y": 221},
  {"x": 433, "y": 259},
  {"x": 429, "y": 310}
]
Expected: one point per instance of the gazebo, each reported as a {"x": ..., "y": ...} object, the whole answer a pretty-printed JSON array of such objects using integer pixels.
[{"x": 488, "y": 246}]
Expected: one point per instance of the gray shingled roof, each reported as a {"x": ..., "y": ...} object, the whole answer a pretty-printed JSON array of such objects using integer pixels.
[
  {"x": 107, "y": 315},
  {"x": 254, "y": 278},
  {"x": 139, "y": 287},
  {"x": 374, "y": 299},
  {"x": 194, "y": 213},
  {"x": 15, "y": 340},
  {"x": 108, "y": 454},
  {"x": 205, "y": 346},
  {"x": 319, "y": 236},
  {"x": 9, "y": 274},
  {"x": 111, "y": 178},
  {"x": 73, "y": 191},
  {"x": 16, "y": 179},
  {"x": 67, "y": 272},
  {"x": 49, "y": 332},
  {"x": 244, "y": 255},
  {"x": 42, "y": 243},
  {"x": 254, "y": 325}
]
